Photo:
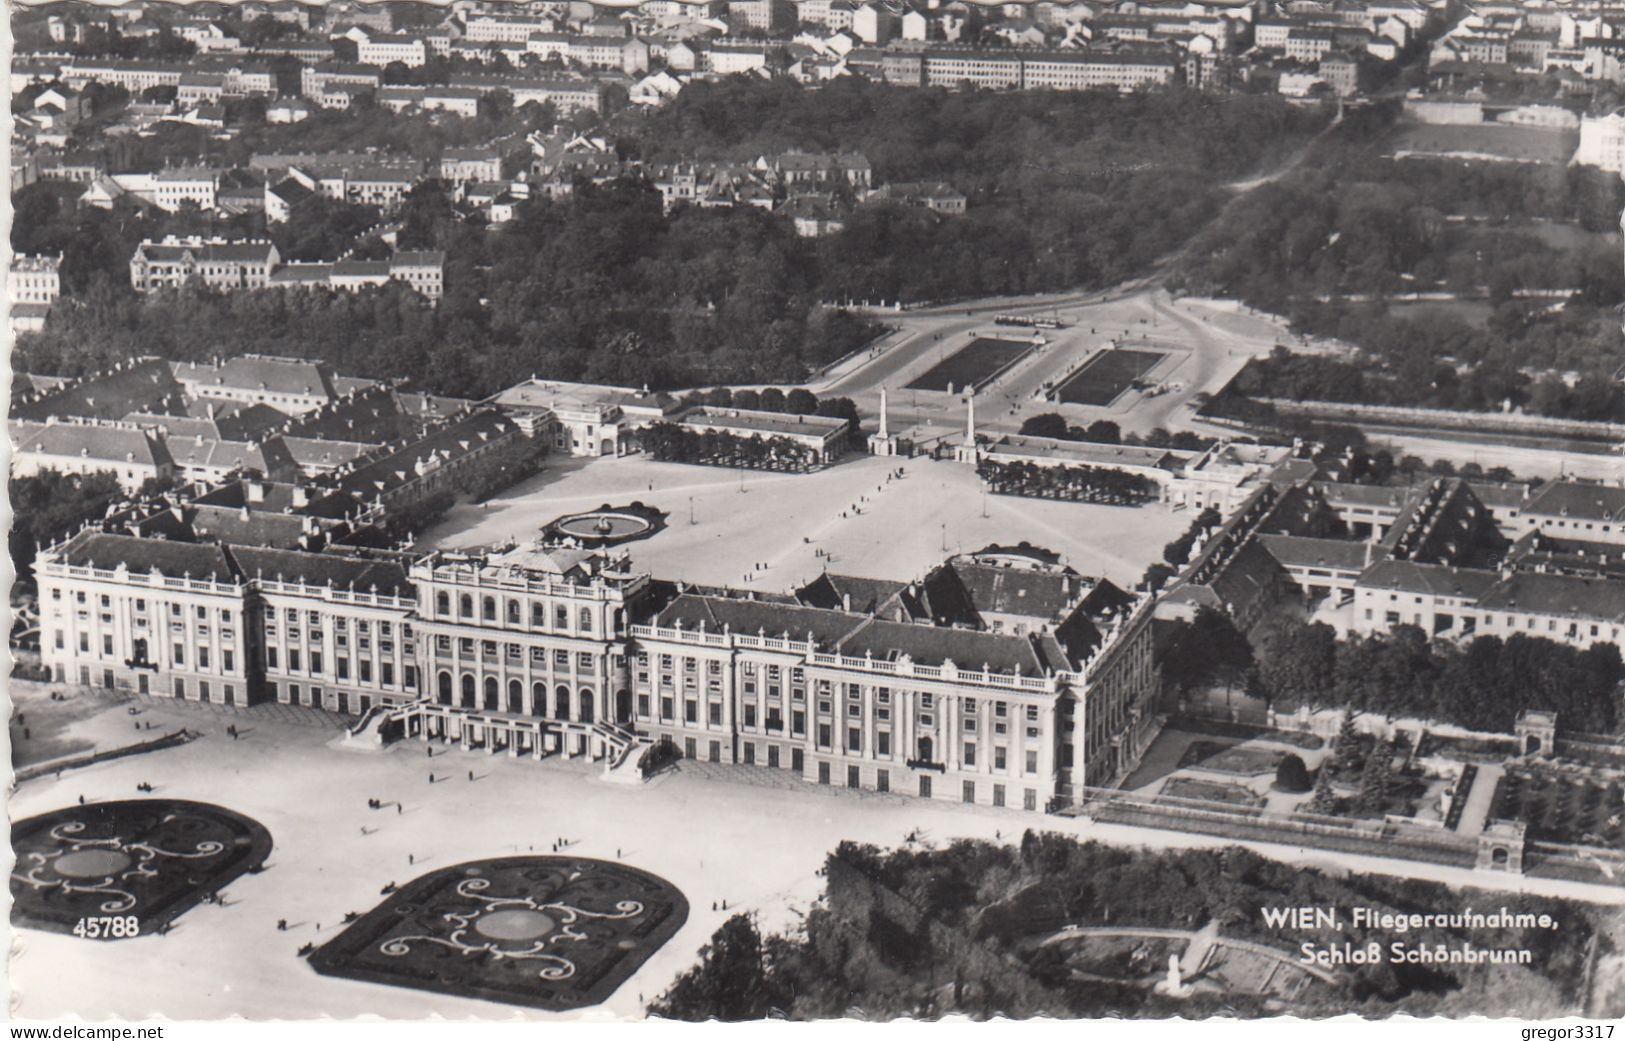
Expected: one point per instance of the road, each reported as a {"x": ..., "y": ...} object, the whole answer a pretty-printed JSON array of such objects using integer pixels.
[{"x": 1207, "y": 342}]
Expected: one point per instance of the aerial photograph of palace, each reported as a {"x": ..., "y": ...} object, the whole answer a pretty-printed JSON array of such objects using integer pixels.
[{"x": 1053, "y": 483}]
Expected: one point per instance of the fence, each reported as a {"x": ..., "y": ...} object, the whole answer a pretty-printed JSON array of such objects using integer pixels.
[
  {"x": 29, "y": 773},
  {"x": 1374, "y": 838}
]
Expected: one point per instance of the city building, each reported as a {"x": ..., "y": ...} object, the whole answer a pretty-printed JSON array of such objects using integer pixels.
[
  {"x": 35, "y": 279},
  {"x": 582, "y": 419},
  {"x": 219, "y": 264}
]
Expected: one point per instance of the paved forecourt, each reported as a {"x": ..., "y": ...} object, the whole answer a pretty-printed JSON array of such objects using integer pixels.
[
  {"x": 894, "y": 529},
  {"x": 725, "y": 844}
]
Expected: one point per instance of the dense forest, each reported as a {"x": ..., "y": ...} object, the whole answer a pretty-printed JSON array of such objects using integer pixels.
[
  {"x": 1066, "y": 190},
  {"x": 1330, "y": 244},
  {"x": 927, "y": 933}
]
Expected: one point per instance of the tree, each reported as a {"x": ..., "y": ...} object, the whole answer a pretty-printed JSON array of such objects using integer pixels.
[
  {"x": 1348, "y": 748},
  {"x": 1292, "y": 775},
  {"x": 49, "y": 506},
  {"x": 1324, "y": 800},
  {"x": 731, "y": 982},
  {"x": 1297, "y": 661},
  {"x": 1104, "y": 431},
  {"x": 1207, "y": 649},
  {"x": 801, "y": 402},
  {"x": 1045, "y": 424}
]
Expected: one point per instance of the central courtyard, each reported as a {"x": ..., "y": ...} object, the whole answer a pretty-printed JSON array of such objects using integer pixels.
[{"x": 850, "y": 519}]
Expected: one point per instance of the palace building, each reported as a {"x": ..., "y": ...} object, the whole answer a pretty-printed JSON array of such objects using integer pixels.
[{"x": 1000, "y": 678}]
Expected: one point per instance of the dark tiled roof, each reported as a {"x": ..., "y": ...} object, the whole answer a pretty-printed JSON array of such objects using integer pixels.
[
  {"x": 221, "y": 252},
  {"x": 309, "y": 453},
  {"x": 864, "y": 595},
  {"x": 320, "y": 569},
  {"x": 107, "y": 444},
  {"x": 753, "y": 617},
  {"x": 1013, "y": 590},
  {"x": 239, "y": 420},
  {"x": 371, "y": 415},
  {"x": 1599, "y": 599},
  {"x": 933, "y": 645},
  {"x": 270, "y": 458},
  {"x": 1299, "y": 551},
  {"x": 1507, "y": 495},
  {"x": 174, "y": 559},
  {"x": 453, "y": 440},
  {"x": 245, "y": 527},
  {"x": 253, "y": 372},
  {"x": 1437, "y": 579},
  {"x": 146, "y": 385},
  {"x": 276, "y": 497},
  {"x": 1593, "y": 502}
]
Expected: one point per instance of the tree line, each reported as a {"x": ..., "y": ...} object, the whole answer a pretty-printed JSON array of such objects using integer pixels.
[
  {"x": 1482, "y": 683},
  {"x": 959, "y": 930},
  {"x": 1071, "y": 482}
]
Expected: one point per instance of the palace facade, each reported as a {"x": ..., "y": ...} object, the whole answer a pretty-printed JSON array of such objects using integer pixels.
[{"x": 1001, "y": 678}]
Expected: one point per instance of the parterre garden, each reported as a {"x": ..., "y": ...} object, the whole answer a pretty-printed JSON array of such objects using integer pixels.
[
  {"x": 972, "y": 365},
  {"x": 138, "y": 864},
  {"x": 1106, "y": 376}
]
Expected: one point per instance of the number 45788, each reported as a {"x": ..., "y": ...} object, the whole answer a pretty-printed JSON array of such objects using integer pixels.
[{"x": 108, "y": 927}]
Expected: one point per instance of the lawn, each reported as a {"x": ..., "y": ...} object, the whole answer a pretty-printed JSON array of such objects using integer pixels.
[
  {"x": 972, "y": 366},
  {"x": 1106, "y": 376},
  {"x": 1209, "y": 755},
  {"x": 1234, "y": 796}
]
